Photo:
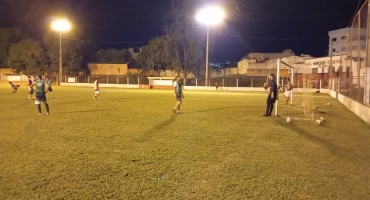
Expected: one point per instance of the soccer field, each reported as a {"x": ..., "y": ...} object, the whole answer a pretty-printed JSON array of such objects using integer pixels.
[{"x": 129, "y": 145}]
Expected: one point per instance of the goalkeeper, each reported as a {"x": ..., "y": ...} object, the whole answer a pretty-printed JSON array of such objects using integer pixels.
[{"x": 41, "y": 89}]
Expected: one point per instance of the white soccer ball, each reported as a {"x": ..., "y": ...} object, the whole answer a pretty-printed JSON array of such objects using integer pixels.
[
  {"x": 328, "y": 104},
  {"x": 318, "y": 122},
  {"x": 322, "y": 119},
  {"x": 288, "y": 119}
]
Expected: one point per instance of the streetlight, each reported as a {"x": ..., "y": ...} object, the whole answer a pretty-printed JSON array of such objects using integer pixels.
[
  {"x": 60, "y": 25},
  {"x": 209, "y": 16}
]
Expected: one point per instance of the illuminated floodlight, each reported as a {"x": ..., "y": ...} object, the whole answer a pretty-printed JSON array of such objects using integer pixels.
[
  {"x": 210, "y": 15},
  {"x": 61, "y": 25}
]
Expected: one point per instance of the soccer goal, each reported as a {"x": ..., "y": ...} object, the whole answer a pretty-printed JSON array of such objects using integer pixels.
[{"x": 300, "y": 104}]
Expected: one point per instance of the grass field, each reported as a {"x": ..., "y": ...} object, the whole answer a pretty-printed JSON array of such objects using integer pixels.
[{"x": 129, "y": 145}]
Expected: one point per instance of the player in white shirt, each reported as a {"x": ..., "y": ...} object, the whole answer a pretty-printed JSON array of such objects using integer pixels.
[{"x": 96, "y": 88}]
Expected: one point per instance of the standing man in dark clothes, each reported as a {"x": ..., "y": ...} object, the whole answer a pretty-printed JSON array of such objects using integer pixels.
[
  {"x": 41, "y": 89},
  {"x": 30, "y": 89},
  {"x": 271, "y": 98}
]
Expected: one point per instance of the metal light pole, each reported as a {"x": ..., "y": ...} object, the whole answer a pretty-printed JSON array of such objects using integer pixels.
[
  {"x": 207, "y": 50},
  {"x": 60, "y": 25},
  {"x": 209, "y": 16},
  {"x": 60, "y": 58}
]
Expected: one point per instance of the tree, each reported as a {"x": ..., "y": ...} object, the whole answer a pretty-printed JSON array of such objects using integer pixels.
[
  {"x": 113, "y": 56},
  {"x": 8, "y": 36},
  {"x": 27, "y": 57},
  {"x": 185, "y": 40},
  {"x": 75, "y": 52},
  {"x": 156, "y": 55}
]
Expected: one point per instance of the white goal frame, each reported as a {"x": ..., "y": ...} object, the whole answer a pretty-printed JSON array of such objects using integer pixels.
[{"x": 279, "y": 62}]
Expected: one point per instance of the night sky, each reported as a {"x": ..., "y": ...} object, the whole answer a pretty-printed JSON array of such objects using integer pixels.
[{"x": 250, "y": 25}]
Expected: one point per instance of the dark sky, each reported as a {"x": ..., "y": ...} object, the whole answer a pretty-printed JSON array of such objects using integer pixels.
[{"x": 250, "y": 25}]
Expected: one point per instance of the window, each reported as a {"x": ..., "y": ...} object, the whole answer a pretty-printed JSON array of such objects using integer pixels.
[
  {"x": 314, "y": 70},
  {"x": 347, "y": 72},
  {"x": 334, "y": 50},
  {"x": 354, "y": 47},
  {"x": 334, "y": 39},
  {"x": 363, "y": 47},
  {"x": 362, "y": 37},
  {"x": 344, "y": 38},
  {"x": 137, "y": 50}
]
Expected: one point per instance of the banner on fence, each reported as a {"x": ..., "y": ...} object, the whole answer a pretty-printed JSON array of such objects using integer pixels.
[{"x": 71, "y": 80}]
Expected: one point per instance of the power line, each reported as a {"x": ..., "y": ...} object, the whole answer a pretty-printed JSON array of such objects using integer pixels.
[
  {"x": 263, "y": 38},
  {"x": 136, "y": 42}
]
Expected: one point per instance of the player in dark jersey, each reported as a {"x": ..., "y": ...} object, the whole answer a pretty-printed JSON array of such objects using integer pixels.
[
  {"x": 30, "y": 89},
  {"x": 177, "y": 86},
  {"x": 49, "y": 83},
  {"x": 41, "y": 89}
]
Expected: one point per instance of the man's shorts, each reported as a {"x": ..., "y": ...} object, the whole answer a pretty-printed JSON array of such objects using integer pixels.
[
  {"x": 50, "y": 89},
  {"x": 178, "y": 97},
  {"x": 287, "y": 93},
  {"x": 40, "y": 98},
  {"x": 30, "y": 90},
  {"x": 97, "y": 92}
]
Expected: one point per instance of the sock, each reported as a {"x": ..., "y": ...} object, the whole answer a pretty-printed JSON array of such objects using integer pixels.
[
  {"x": 39, "y": 108},
  {"x": 47, "y": 108}
]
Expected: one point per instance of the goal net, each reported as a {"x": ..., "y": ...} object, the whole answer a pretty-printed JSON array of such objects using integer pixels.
[{"x": 295, "y": 99}]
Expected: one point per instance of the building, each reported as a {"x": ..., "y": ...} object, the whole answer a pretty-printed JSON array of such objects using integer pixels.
[
  {"x": 134, "y": 51},
  {"x": 260, "y": 57},
  {"x": 340, "y": 41},
  {"x": 110, "y": 69}
]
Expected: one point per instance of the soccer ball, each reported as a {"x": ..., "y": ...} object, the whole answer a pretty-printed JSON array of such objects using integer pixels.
[
  {"x": 328, "y": 104},
  {"x": 318, "y": 122},
  {"x": 288, "y": 119},
  {"x": 322, "y": 119}
]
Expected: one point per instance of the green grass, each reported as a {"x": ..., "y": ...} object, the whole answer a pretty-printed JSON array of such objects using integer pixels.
[{"x": 121, "y": 146}]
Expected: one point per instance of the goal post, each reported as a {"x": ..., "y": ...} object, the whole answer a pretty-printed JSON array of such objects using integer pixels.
[{"x": 300, "y": 104}]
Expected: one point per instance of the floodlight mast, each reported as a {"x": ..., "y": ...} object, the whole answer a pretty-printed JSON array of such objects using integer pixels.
[
  {"x": 61, "y": 26},
  {"x": 209, "y": 16}
]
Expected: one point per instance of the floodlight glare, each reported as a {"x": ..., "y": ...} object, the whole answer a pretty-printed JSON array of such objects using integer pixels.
[
  {"x": 210, "y": 15},
  {"x": 61, "y": 25}
]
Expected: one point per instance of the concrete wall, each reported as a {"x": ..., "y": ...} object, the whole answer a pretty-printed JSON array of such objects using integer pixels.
[
  {"x": 102, "y": 85},
  {"x": 7, "y": 70},
  {"x": 107, "y": 69},
  {"x": 360, "y": 110}
]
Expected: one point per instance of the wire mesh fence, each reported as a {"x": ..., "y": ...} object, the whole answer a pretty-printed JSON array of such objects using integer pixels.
[{"x": 352, "y": 79}]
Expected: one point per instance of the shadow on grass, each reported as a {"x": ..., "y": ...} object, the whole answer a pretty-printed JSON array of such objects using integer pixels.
[
  {"x": 155, "y": 129},
  {"x": 72, "y": 102},
  {"x": 333, "y": 149},
  {"x": 86, "y": 111},
  {"x": 208, "y": 110}
]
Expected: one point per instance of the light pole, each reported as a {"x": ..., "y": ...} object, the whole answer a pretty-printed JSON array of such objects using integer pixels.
[
  {"x": 209, "y": 16},
  {"x": 60, "y": 25}
]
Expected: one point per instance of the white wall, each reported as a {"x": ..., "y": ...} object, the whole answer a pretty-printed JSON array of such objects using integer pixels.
[
  {"x": 360, "y": 110},
  {"x": 101, "y": 85}
]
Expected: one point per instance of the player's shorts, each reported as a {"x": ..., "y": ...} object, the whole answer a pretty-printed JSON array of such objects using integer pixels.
[
  {"x": 40, "y": 98},
  {"x": 97, "y": 92},
  {"x": 30, "y": 90},
  {"x": 287, "y": 93},
  {"x": 50, "y": 89},
  {"x": 178, "y": 97}
]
